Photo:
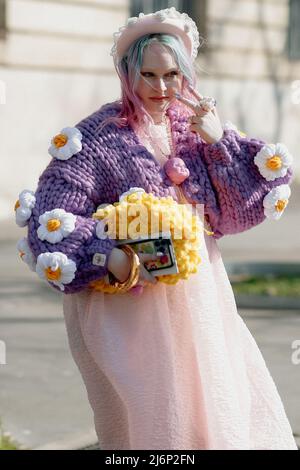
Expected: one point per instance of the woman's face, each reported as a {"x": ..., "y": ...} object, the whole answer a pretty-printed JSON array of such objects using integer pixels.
[{"x": 160, "y": 76}]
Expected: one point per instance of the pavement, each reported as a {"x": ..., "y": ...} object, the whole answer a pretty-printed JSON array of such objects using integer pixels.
[{"x": 43, "y": 402}]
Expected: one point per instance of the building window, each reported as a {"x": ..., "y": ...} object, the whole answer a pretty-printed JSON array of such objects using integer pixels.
[
  {"x": 2, "y": 18},
  {"x": 294, "y": 30},
  {"x": 197, "y": 10}
]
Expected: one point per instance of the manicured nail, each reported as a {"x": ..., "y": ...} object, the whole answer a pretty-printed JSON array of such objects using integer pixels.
[{"x": 178, "y": 95}]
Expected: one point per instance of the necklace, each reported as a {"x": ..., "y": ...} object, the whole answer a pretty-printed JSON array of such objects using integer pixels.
[
  {"x": 159, "y": 138},
  {"x": 169, "y": 134}
]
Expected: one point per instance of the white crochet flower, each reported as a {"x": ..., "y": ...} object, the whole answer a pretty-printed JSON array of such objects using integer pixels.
[
  {"x": 276, "y": 201},
  {"x": 138, "y": 191},
  {"x": 66, "y": 144},
  {"x": 273, "y": 161},
  {"x": 24, "y": 206},
  {"x": 56, "y": 225},
  {"x": 26, "y": 254},
  {"x": 56, "y": 268}
]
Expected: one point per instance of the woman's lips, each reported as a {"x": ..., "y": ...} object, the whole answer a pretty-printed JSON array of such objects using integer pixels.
[{"x": 160, "y": 98}]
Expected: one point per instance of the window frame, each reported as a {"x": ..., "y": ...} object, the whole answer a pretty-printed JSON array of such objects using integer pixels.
[
  {"x": 293, "y": 33},
  {"x": 2, "y": 19}
]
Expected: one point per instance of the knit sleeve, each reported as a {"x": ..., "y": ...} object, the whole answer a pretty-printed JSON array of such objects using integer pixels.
[
  {"x": 68, "y": 248},
  {"x": 250, "y": 179}
]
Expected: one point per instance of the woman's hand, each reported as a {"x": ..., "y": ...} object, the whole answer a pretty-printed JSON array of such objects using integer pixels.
[
  {"x": 206, "y": 123},
  {"x": 119, "y": 266},
  {"x": 145, "y": 276}
]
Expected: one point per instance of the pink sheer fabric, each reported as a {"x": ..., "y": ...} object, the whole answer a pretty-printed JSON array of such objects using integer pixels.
[{"x": 177, "y": 367}]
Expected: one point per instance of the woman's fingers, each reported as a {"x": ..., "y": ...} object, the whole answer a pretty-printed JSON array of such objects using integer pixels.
[
  {"x": 200, "y": 114},
  {"x": 198, "y": 110},
  {"x": 144, "y": 273},
  {"x": 191, "y": 104},
  {"x": 214, "y": 110},
  {"x": 196, "y": 107},
  {"x": 195, "y": 93},
  {"x": 146, "y": 276},
  {"x": 195, "y": 119}
]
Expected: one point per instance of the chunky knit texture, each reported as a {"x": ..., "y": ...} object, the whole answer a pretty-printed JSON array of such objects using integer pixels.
[{"x": 223, "y": 177}]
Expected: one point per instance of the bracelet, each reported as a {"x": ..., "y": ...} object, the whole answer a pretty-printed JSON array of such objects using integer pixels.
[
  {"x": 134, "y": 271},
  {"x": 133, "y": 277}
]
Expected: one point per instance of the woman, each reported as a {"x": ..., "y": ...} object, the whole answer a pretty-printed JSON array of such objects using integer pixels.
[{"x": 174, "y": 367}]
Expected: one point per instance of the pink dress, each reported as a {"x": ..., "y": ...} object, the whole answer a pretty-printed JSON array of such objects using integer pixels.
[{"x": 177, "y": 367}]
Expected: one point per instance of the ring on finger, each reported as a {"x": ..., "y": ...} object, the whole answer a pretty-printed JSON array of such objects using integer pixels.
[
  {"x": 207, "y": 103},
  {"x": 200, "y": 111}
]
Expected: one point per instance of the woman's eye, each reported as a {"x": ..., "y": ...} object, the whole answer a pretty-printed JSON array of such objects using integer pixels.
[{"x": 173, "y": 73}]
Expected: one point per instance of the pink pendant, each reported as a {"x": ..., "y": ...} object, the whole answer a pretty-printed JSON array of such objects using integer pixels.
[{"x": 176, "y": 170}]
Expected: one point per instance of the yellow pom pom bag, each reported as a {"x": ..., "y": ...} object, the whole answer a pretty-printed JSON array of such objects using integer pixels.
[{"x": 155, "y": 215}]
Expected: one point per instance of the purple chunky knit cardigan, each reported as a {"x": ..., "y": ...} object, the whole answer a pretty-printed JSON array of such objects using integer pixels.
[{"x": 223, "y": 177}]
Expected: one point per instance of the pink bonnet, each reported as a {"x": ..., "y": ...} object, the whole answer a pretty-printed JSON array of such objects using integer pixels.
[{"x": 168, "y": 21}]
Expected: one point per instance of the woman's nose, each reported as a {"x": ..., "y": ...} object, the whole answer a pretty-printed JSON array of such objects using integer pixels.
[{"x": 161, "y": 84}]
